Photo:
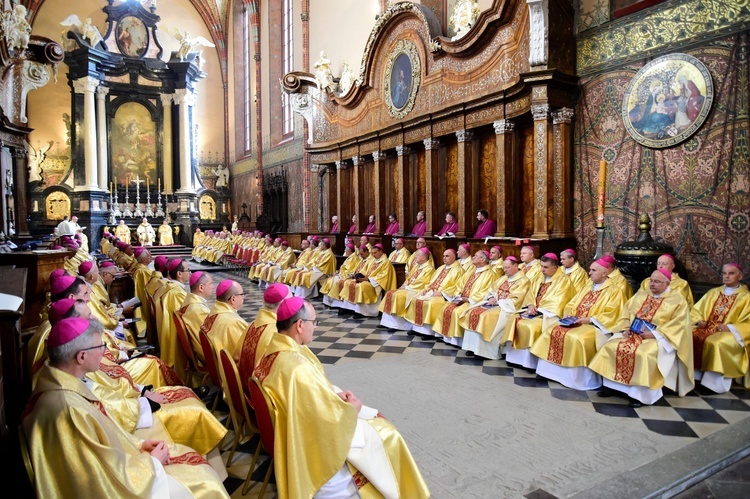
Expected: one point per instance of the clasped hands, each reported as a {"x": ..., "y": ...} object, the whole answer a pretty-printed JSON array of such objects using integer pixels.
[
  {"x": 349, "y": 398},
  {"x": 157, "y": 449}
]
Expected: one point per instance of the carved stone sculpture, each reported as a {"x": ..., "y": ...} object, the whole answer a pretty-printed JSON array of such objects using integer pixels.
[
  {"x": 87, "y": 30},
  {"x": 323, "y": 74},
  {"x": 15, "y": 28},
  {"x": 464, "y": 14},
  {"x": 347, "y": 79},
  {"x": 36, "y": 157}
]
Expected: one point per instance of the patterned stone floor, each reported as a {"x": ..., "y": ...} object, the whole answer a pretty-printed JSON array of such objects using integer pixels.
[{"x": 346, "y": 338}]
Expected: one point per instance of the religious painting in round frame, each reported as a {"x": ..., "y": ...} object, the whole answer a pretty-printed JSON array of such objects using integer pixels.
[
  {"x": 668, "y": 100},
  {"x": 402, "y": 78},
  {"x": 132, "y": 36}
]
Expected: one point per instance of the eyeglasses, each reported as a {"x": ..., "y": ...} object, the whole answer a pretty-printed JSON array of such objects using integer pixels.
[
  {"x": 97, "y": 347},
  {"x": 240, "y": 294},
  {"x": 314, "y": 321}
]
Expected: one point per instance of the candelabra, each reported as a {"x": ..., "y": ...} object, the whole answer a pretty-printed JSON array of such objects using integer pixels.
[
  {"x": 149, "y": 211},
  {"x": 116, "y": 206},
  {"x": 126, "y": 212},
  {"x": 159, "y": 212},
  {"x": 112, "y": 220},
  {"x": 137, "y": 213}
]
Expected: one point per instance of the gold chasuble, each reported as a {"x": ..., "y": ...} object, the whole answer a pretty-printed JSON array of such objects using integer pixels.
[
  {"x": 486, "y": 321},
  {"x": 165, "y": 235},
  {"x": 141, "y": 277},
  {"x": 552, "y": 296},
  {"x": 348, "y": 267},
  {"x": 578, "y": 276},
  {"x": 394, "y": 301},
  {"x": 380, "y": 271},
  {"x": 411, "y": 265},
  {"x": 314, "y": 427},
  {"x": 303, "y": 261},
  {"x": 100, "y": 306},
  {"x": 399, "y": 255},
  {"x": 720, "y": 351},
  {"x": 474, "y": 286},
  {"x": 620, "y": 280},
  {"x": 169, "y": 344},
  {"x": 254, "y": 342},
  {"x": 325, "y": 263},
  {"x": 646, "y": 362},
  {"x": 194, "y": 311},
  {"x": 426, "y": 306},
  {"x": 77, "y": 450},
  {"x": 576, "y": 346},
  {"x": 123, "y": 233},
  {"x": 677, "y": 284},
  {"x": 225, "y": 328},
  {"x": 340, "y": 290}
]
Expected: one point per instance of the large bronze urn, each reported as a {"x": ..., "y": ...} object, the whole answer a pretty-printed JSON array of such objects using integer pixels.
[{"x": 637, "y": 259}]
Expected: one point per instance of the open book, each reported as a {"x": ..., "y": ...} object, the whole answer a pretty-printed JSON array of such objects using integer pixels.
[
  {"x": 10, "y": 302},
  {"x": 599, "y": 326},
  {"x": 449, "y": 298},
  {"x": 133, "y": 302}
]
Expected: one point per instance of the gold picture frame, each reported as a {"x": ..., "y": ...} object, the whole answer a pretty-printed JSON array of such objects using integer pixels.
[
  {"x": 668, "y": 100},
  {"x": 403, "y": 74}
]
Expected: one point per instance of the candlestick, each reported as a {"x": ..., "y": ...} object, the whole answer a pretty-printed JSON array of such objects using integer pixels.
[
  {"x": 602, "y": 193},
  {"x": 159, "y": 186},
  {"x": 146, "y": 183}
]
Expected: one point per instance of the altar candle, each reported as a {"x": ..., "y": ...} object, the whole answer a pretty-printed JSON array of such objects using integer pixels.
[
  {"x": 158, "y": 187},
  {"x": 146, "y": 183},
  {"x": 602, "y": 192},
  {"x": 126, "y": 185},
  {"x": 111, "y": 188}
]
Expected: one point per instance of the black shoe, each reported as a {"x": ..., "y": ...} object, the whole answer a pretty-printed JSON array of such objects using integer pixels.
[
  {"x": 605, "y": 392},
  {"x": 381, "y": 326},
  {"x": 469, "y": 353},
  {"x": 202, "y": 391},
  {"x": 635, "y": 404}
]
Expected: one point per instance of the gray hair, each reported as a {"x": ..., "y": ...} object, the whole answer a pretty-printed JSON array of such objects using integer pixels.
[{"x": 64, "y": 354}]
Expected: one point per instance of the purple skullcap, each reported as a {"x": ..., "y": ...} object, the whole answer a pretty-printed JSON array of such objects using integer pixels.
[
  {"x": 174, "y": 263},
  {"x": 486, "y": 254},
  {"x": 275, "y": 293},
  {"x": 194, "y": 277},
  {"x": 668, "y": 256},
  {"x": 364, "y": 248},
  {"x": 57, "y": 273},
  {"x": 315, "y": 239},
  {"x": 666, "y": 273},
  {"x": 497, "y": 248},
  {"x": 425, "y": 251},
  {"x": 159, "y": 262},
  {"x": 106, "y": 264},
  {"x": 512, "y": 258},
  {"x": 551, "y": 256},
  {"x": 609, "y": 260},
  {"x": 284, "y": 243},
  {"x": 451, "y": 250},
  {"x": 277, "y": 240},
  {"x": 223, "y": 287},
  {"x": 85, "y": 267},
  {"x": 379, "y": 246},
  {"x": 66, "y": 331},
  {"x": 604, "y": 263},
  {"x": 61, "y": 284},
  {"x": 66, "y": 238},
  {"x": 58, "y": 309},
  {"x": 289, "y": 307},
  {"x": 127, "y": 247},
  {"x": 400, "y": 240},
  {"x": 736, "y": 265},
  {"x": 465, "y": 246},
  {"x": 138, "y": 251},
  {"x": 350, "y": 246},
  {"x": 72, "y": 245},
  {"x": 326, "y": 240},
  {"x": 570, "y": 252}
]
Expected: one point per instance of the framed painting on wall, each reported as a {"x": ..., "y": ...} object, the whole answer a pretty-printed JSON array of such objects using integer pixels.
[
  {"x": 402, "y": 77},
  {"x": 132, "y": 36},
  {"x": 668, "y": 100},
  {"x": 133, "y": 145}
]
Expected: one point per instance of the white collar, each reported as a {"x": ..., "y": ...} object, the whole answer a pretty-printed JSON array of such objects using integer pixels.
[{"x": 730, "y": 291}]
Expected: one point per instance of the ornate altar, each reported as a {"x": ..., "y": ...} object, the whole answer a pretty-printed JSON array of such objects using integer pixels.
[
  {"x": 434, "y": 123},
  {"x": 131, "y": 129}
]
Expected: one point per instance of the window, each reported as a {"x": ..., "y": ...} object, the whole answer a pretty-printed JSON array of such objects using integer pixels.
[
  {"x": 246, "y": 69},
  {"x": 287, "y": 61}
]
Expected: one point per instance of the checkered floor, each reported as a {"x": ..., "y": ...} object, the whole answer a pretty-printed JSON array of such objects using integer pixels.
[{"x": 340, "y": 337}]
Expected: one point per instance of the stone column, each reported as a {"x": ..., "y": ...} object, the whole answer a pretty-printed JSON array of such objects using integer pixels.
[
  {"x": 87, "y": 86},
  {"x": 359, "y": 188},
  {"x": 185, "y": 99},
  {"x": 433, "y": 209},
  {"x": 340, "y": 193},
  {"x": 167, "y": 156},
  {"x": 507, "y": 214},
  {"x": 317, "y": 195},
  {"x": 404, "y": 180},
  {"x": 378, "y": 158},
  {"x": 562, "y": 159},
  {"x": 541, "y": 195},
  {"x": 466, "y": 184},
  {"x": 101, "y": 126}
]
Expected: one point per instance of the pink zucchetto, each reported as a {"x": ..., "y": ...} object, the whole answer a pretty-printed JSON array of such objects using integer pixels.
[
  {"x": 497, "y": 248},
  {"x": 159, "y": 262},
  {"x": 608, "y": 260},
  {"x": 289, "y": 307},
  {"x": 223, "y": 287},
  {"x": 58, "y": 309},
  {"x": 107, "y": 234},
  {"x": 173, "y": 264},
  {"x": 551, "y": 256},
  {"x": 465, "y": 246},
  {"x": 106, "y": 264},
  {"x": 486, "y": 254},
  {"x": 668, "y": 256},
  {"x": 61, "y": 284},
  {"x": 57, "y": 273},
  {"x": 425, "y": 251},
  {"x": 604, "y": 263},
  {"x": 66, "y": 331},
  {"x": 512, "y": 258},
  {"x": 284, "y": 243},
  {"x": 326, "y": 240},
  {"x": 277, "y": 240},
  {"x": 138, "y": 251},
  {"x": 275, "y": 293},
  {"x": 666, "y": 273},
  {"x": 194, "y": 277},
  {"x": 350, "y": 246},
  {"x": 570, "y": 252},
  {"x": 379, "y": 246},
  {"x": 400, "y": 240},
  {"x": 736, "y": 265},
  {"x": 85, "y": 267},
  {"x": 452, "y": 251},
  {"x": 315, "y": 239},
  {"x": 364, "y": 248}
]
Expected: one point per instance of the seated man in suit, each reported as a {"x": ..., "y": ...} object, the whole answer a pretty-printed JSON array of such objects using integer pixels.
[{"x": 721, "y": 333}]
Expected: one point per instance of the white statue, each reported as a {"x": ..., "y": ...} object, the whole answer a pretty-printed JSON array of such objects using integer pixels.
[
  {"x": 464, "y": 14},
  {"x": 347, "y": 79},
  {"x": 222, "y": 173},
  {"x": 187, "y": 42},
  {"x": 36, "y": 158},
  {"x": 323, "y": 74},
  {"x": 87, "y": 30},
  {"x": 16, "y": 28}
]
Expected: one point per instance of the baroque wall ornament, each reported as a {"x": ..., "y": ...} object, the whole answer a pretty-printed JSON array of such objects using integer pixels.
[
  {"x": 403, "y": 73},
  {"x": 668, "y": 100}
]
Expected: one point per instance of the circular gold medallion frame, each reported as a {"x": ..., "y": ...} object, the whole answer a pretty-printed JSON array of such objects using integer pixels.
[
  {"x": 403, "y": 73},
  {"x": 668, "y": 100}
]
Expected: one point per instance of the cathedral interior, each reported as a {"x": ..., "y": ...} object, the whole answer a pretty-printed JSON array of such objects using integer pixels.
[{"x": 612, "y": 127}]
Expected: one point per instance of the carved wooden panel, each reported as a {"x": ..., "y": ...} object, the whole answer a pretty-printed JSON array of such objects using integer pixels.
[
  {"x": 421, "y": 189},
  {"x": 393, "y": 201},
  {"x": 526, "y": 146},
  {"x": 368, "y": 178},
  {"x": 488, "y": 174},
  {"x": 451, "y": 177}
]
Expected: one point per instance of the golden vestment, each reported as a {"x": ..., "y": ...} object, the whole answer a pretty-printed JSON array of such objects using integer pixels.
[
  {"x": 533, "y": 273},
  {"x": 76, "y": 448},
  {"x": 576, "y": 346},
  {"x": 101, "y": 307},
  {"x": 302, "y": 262},
  {"x": 254, "y": 342},
  {"x": 123, "y": 233},
  {"x": 225, "y": 328},
  {"x": 578, "y": 276},
  {"x": 394, "y": 301},
  {"x": 620, "y": 280},
  {"x": 424, "y": 308},
  {"x": 325, "y": 263},
  {"x": 473, "y": 286},
  {"x": 719, "y": 351},
  {"x": 165, "y": 235},
  {"x": 485, "y": 321},
  {"x": 340, "y": 290},
  {"x": 497, "y": 267},
  {"x": 677, "y": 284},
  {"x": 552, "y": 296},
  {"x": 644, "y": 362},
  {"x": 170, "y": 349},
  {"x": 146, "y": 234},
  {"x": 266, "y": 259},
  {"x": 141, "y": 276},
  {"x": 194, "y": 311},
  {"x": 399, "y": 256},
  {"x": 411, "y": 264},
  {"x": 198, "y": 238},
  {"x": 348, "y": 267},
  {"x": 380, "y": 271},
  {"x": 313, "y": 427}
]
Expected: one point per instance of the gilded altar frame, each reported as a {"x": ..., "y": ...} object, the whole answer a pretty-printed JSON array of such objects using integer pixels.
[{"x": 400, "y": 94}]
